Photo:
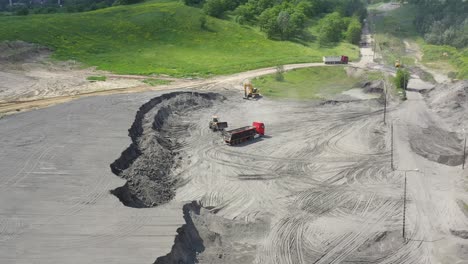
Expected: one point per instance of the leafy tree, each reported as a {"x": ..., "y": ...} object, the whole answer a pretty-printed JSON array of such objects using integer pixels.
[
  {"x": 353, "y": 33},
  {"x": 268, "y": 22},
  {"x": 331, "y": 27},
  {"x": 282, "y": 21},
  {"x": 215, "y": 8},
  {"x": 245, "y": 13},
  {"x": 193, "y": 2}
]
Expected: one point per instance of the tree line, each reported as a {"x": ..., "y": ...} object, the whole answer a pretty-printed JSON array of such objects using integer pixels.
[
  {"x": 443, "y": 22},
  {"x": 288, "y": 19}
]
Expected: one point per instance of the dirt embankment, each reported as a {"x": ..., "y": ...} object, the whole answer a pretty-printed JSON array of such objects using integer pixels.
[
  {"x": 157, "y": 135},
  {"x": 450, "y": 101},
  {"x": 208, "y": 238}
]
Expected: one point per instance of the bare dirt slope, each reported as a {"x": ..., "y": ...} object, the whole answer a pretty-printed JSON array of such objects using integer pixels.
[
  {"x": 435, "y": 189},
  {"x": 27, "y": 73},
  {"x": 450, "y": 102}
]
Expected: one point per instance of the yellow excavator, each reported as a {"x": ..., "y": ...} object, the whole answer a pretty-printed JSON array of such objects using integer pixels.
[
  {"x": 250, "y": 91},
  {"x": 398, "y": 64}
]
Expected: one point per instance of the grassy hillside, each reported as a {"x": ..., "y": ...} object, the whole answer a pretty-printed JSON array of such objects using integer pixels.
[{"x": 163, "y": 37}]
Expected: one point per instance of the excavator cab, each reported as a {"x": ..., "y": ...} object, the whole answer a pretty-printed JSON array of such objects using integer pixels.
[{"x": 250, "y": 91}]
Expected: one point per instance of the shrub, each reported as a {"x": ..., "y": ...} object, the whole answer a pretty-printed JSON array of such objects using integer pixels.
[
  {"x": 24, "y": 11},
  {"x": 96, "y": 78},
  {"x": 279, "y": 76},
  {"x": 401, "y": 79}
]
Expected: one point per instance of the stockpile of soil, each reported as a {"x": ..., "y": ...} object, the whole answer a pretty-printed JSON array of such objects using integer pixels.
[
  {"x": 156, "y": 133},
  {"x": 450, "y": 101}
]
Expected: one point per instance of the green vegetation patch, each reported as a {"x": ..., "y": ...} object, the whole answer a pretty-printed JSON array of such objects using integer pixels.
[
  {"x": 156, "y": 82},
  {"x": 397, "y": 25},
  {"x": 309, "y": 83},
  {"x": 160, "y": 37},
  {"x": 96, "y": 78}
]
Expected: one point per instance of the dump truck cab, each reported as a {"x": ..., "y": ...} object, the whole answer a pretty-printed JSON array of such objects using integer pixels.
[{"x": 259, "y": 128}]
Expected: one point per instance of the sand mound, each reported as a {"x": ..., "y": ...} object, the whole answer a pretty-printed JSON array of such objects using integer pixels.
[
  {"x": 157, "y": 133},
  {"x": 450, "y": 101}
]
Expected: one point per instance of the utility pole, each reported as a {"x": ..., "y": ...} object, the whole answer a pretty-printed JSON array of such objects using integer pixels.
[
  {"x": 404, "y": 210},
  {"x": 404, "y": 205},
  {"x": 385, "y": 102},
  {"x": 391, "y": 151},
  {"x": 464, "y": 155}
]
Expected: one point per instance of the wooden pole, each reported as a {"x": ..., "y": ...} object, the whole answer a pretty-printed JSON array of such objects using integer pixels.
[
  {"x": 404, "y": 210},
  {"x": 464, "y": 155},
  {"x": 385, "y": 103},
  {"x": 391, "y": 151}
]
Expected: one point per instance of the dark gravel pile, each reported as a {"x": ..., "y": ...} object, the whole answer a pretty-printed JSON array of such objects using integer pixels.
[{"x": 156, "y": 132}]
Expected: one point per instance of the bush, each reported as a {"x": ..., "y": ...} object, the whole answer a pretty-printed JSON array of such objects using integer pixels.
[
  {"x": 401, "y": 79},
  {"x": 24, "y": 11},
  {"x": 127, "y": 2},
  {"x": 193, "y": 2},
  {"x": 279, "y": 76},
  {"x": 96, "y": 78},
  {"x": 203, "y": 22}
]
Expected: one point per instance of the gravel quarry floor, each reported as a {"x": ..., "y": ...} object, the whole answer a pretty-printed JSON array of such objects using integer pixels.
[
  {"x": 139, "y": 177},
  {"x": 318, "y": 188}
]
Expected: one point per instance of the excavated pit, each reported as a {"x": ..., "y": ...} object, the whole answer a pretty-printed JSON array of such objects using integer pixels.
[{"x": 157, "y": 136}]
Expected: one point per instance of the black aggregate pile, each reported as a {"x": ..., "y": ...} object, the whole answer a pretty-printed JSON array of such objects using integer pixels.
[{"x": 147, "y": 163}]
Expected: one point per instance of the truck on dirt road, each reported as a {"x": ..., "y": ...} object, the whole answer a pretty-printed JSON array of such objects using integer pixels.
[
  {"x": 335, "y": 59},
  {"x": 242, "y": 134}
]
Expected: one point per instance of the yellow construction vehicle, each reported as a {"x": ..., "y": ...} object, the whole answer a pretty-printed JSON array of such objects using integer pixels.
[
  {"x": 398, "y": 64},
  {"x": 215, "y": 125},
  {"x": 250, "y": 91}
]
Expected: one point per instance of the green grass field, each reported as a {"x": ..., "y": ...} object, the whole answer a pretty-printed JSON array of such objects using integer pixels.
[
  {"x": 309, "y": 83},
  {"x": 160, "y": 37}
]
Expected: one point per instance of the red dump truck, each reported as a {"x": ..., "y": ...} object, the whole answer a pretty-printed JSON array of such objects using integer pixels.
[
  {"x": 239, "y": 135},
  {"x": 335, "y": 59}
]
